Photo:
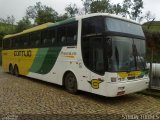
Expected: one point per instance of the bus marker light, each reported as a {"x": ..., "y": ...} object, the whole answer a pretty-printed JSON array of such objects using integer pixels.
[
  {"x": 120, "y": 93},
  {"x": 113, "y": 79}
]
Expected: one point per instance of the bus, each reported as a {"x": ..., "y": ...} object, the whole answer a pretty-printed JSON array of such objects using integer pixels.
[{"x": 98, "y": 53}]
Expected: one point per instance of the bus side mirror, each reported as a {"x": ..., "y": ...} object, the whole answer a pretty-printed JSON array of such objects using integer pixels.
[{"x": 108, "y": 46}]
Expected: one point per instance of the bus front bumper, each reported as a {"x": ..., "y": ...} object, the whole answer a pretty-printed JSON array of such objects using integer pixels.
[{"x": 122, "y": 88}]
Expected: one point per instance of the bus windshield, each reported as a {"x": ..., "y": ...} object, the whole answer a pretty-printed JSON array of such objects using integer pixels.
[
  {"x": 117, "y": 25},
  {"x": 127, "y": 54},
  {"x": 121, "y": 43}
]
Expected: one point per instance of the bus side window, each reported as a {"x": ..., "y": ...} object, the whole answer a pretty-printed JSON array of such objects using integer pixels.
[
  {"x": 9, "y": 43},
  {"x": 35, "y": 39},
  {"x": 38, "y": 39},
  {"x": 17, "y": 40},
  {"x": 71, "y": 33},
  {"x": 61, "y": 35},
  {"x": 32, "y": 40},
  {"x": 13, "y": 43},
  {"x": 92, "y": 25},
  {"x": 25, "y": 39},
  {"x": 21, "y": 42},
  {"x": 46, "y": 40},
  {"x": 52, "y": 33},
  {"x": 5, "y": 43}
]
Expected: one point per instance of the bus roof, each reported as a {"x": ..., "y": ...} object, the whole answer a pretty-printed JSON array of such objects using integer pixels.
[
  {"x": 107, "y": 15},
  {"x": 50, "y": 24},
  {"x": 39, "y": 27}
]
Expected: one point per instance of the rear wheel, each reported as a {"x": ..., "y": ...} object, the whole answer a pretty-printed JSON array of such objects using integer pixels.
[
  {"x": 16, "y": 71},
  {"x": 11, "y": 71},
  {"x": 70, "y": 83}
]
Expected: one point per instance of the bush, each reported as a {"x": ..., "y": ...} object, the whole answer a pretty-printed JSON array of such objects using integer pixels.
[
  {"x": 153, "y": 43},
  {"x": 0, "y": 57}
]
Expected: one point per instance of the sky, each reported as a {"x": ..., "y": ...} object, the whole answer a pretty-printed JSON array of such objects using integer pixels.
[{"x": 17, "y": 8}]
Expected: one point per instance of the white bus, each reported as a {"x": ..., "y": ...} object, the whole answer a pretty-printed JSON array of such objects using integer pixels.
[{"x": 97, "y": 53}]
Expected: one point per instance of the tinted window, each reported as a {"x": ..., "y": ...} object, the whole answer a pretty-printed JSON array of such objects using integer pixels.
[
  {"x": 35, "y": 39},
  {"x": 92, "y": 25},
  {"x": 93, "y": 54},
  {"x": 25, "y": 41},
  {"x": 61, "y": 35},
  {"x": 6, "y": 43},
  {"x": 52, "y": 33},
  {"x": 117, "y": 25},
  {"x": 48, "y": 37},
  {"x": 67, "y": 34},
  {"x": 17, "y": 43},
  {"x": 71, "y": 34}
]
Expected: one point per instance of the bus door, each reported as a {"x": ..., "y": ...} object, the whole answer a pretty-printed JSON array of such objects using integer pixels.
[{"x": 97, "y": 64}]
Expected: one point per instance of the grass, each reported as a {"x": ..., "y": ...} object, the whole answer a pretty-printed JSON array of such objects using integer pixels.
[
  {"x": 7, "y": 28},
  {"x": 154, "y": 26}
]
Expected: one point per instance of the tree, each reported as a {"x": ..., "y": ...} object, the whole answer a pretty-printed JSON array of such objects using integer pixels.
[
  {"x": 133, "y": 9},
  {"x": 101, "y": 6},
  {"x": 86, "y": 4},
  {"x": 46, "y": 15},
  {"x": 23, "y": 24},
  {"x": 126, "y": 7},
  {"x": 8, "y": 20},
  {"x": 117, "y": 9},
  {"x": 149, "y": 16},
  {"x": 8, "y": 24},
  {"x": 136, "y": 9},
  {"x": 71, "y": 10},
  {"x": 41, "y": 13},
  {"x": 62, "y": 17}
]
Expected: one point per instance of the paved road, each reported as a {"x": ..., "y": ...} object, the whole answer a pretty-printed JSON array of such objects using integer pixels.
[{"x": 25, "y": 97}]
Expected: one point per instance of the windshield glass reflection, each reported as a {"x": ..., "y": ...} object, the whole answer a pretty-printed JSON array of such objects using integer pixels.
[{"x": 127, "y": 54}]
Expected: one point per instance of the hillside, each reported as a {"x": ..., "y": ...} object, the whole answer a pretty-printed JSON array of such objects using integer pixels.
[
  {"x": 154, "y": 26},
  {"x": 7, "y": 28}
]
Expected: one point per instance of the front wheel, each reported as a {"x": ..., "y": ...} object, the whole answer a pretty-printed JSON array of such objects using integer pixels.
[{"x": 71, "y": 83}]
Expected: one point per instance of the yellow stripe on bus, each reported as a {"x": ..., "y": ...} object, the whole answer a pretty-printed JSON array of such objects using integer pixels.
[{"x": 22, "y": 57}]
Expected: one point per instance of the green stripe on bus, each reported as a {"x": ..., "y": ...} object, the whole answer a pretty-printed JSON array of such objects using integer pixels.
[
  {"x": 49, "y": 60},
  {"x": 40, "y": 57}
]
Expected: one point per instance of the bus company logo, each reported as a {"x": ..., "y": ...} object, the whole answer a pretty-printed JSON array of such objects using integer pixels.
[
  {"x": 69, "y": 54},
  {"x": 23, "y": 53},
  {"x": 95, "y": 83}
]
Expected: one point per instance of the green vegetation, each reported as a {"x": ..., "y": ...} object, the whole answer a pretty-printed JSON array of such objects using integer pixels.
[
  {"x": 7, "y": 28},
  {"x": 0, "y": 57},
  {"x": 153, "y": 26},
  {"x": 152, "y": 33}
]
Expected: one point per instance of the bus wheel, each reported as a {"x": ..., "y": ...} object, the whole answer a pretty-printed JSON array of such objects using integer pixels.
[
  {"x": 70, "y": 83},
  {"x": 16, "y": 71},
  {"x": 11, "y": 71}
]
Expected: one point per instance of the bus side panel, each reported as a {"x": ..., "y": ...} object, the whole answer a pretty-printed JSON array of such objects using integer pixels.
[
  {"x": 23, "y": 58},
  {"x": 67, "y": 60},
  {"x": 43, "y": 67},
  {"x": 6, "y": 60}
]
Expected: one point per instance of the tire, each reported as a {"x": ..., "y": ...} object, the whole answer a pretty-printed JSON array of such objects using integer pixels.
[
  {"x": 16, "y": 71},
  {"x": 11, "y": 70},
  {"x": 70, "y": 82}
]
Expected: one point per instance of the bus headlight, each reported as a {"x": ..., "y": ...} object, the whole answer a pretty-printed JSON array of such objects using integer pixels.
[{"x": 113, "y": 79}]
